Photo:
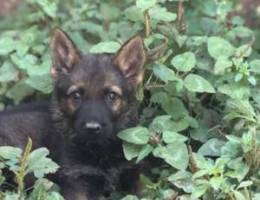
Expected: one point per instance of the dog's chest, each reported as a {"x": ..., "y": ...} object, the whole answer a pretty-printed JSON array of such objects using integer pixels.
[
  {"x": 94, "y": 166},
  {"x": 95, "y": 155}
]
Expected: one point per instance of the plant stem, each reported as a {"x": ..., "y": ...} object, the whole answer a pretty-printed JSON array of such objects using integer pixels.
[
  {"x": 22, "y": 170},
  {"x": 1, "y": 196},
  {"x": 147, "y": 23},
  {"x": 192, "y": 165},
  {"x": 247, "y": 194},
  {"x": 180, "y": 14}
]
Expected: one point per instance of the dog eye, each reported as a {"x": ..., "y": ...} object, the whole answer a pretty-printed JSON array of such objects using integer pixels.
[
  {"x": 112, "y": 96},
  {"x": 76, "y": 95}
]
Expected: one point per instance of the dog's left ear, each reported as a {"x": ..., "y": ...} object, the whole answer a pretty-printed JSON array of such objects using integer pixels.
[
  {"x": 65, "y": 54},
  {"x": 130, "y": 59}
]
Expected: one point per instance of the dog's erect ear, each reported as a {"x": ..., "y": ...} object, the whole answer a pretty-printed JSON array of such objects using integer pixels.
[
  {"x": 64, "y": 53},
  {"x": 131, "y": 58}
]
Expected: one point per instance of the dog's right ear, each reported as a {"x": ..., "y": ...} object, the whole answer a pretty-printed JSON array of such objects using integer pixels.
[
  {"x": 130, "y": 60},
  {"x": 65, "y": 54}
]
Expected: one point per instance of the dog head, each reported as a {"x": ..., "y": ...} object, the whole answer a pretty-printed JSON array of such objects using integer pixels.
[{"x": 95, "y": 92}]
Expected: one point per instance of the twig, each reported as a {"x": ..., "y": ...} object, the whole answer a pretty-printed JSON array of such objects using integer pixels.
[
  {"x": 180, "y": 22},
  {"x": 192, "y": 165},
  {"x": 214, "y": 128},
  {"x": 147, "y": 23},
  {"x": 154, "y": 86},
  {"x": 22, "y": 170},
  {"x": 157, "y": 52}
]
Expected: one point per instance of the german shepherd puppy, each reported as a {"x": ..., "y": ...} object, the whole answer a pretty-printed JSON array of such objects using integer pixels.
[{"x": 93, "y": 99}]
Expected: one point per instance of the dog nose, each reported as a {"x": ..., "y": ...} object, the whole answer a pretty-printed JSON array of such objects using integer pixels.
[{"x": 93, "y": 127}]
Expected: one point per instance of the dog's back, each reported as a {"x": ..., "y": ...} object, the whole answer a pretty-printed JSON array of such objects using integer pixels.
[{"x": 19, "y": 123}]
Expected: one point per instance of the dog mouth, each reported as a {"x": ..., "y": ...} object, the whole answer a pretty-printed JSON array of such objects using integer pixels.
[
  {"x": 84, "y": 136},
  {"x": 88, "y": 137}
]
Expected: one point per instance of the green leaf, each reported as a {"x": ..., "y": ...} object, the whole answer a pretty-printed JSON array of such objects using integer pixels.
[
  {"x": 145, "y": 4},
  {"x": 183, "y": 180},
  {"x": 201, "y": 162},
  {"x": 161, "y": 123},
  {"x": 145, "y": 151},
  {"x": 3, "y": 89},
  {"x": 175, "y": 108},
  {"x": 238, "y": 21},
  {"x": 39, "y": 191},
  {"x": 94, "y": 28},
  {"x": 238, "y": 77},
  {"x": 216, "y": 182},
  {"x": 39, "y": 164},
  {"x": 49, "y": 6},
  {"x": 79, "y": 41},
  {"x": 239, "y": 195},
  {"x": 40, "y": 69},
  {"x": 245, "y": 184},
  {"x": 239, "y": 169},
  {"x": 161, "y": 14},
  {"x": 165, "y": 123},
  {"x": 196, "y": 40},
  {"x": 231, "y": 149},
  {"x": 252, "y": 80},
  {"x": 243, "y": 51},
  {"x": 54, "y": 196},
  {"x": 196, "y": 83},
  {"x": 160, "y": 97},
  {"x": 218, "y": 46},
  {"x": 131, "y": 150},
  {"x": 167, "y": 193},
  {"x": 9, "y": 153},
  {"x": 10, "y": 196},
  {"x": 171, "y": 137},
  {"x": 222, "y": 64},
  {"x": 109, "y": 11},
  {"x": 255, "y": 66},
  {"x": 134, "y": 14},
  {"x": 175, "y": 154},
  {"x": 256, "y": 196},
  {"x": 247, "y": 142},
  {"x": 209, "y": 8},
  {"x": 105, "y": 47},
  {"x": 211, "y": 148},
  {"x": 243, "y": 32},
  {"x": 136, "y": 135},
  {"x": 180, "y": 125},
  {"x": 235, "y": 90},
  {"x": 164, "y": 73},
  {"x": 19, "y": 91},
  {"x": 130, "y": 197},
  {"x": 8, "y": 72},
  {"x": 199, "y": 190},
  {"x": 41, "y": 83},
  {"x": 25, "y": 62},
  {"x": 7, "y": 45},
  {"x": 184, "y": 62},
  {"x": 200, "y": 173}
]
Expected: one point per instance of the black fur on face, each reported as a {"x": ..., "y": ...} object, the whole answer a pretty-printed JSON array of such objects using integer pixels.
[{"x": 94, "y": 95}]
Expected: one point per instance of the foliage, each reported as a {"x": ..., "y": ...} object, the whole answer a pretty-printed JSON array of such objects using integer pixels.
[
  {"x": 21, "y": 164},
  {"x": 201, "y": 98}
]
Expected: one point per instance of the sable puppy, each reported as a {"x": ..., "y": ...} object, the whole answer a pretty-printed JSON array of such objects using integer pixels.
[{"x": 93, "y": 99}]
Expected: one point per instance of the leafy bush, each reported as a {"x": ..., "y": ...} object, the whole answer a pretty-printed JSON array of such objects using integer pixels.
[
  {"x": 21, "y": 164},
  {"x": 201, "y": 95}
]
